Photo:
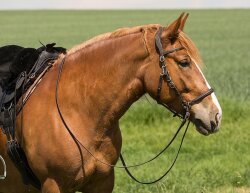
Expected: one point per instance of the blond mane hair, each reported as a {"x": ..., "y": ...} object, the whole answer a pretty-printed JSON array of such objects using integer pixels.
[
  {"x": 110, "y": 35},
  {"x": 186, "y": 42}
]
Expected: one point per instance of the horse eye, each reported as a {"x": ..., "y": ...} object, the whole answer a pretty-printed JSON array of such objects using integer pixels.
[{"x": 184, "y": 63}]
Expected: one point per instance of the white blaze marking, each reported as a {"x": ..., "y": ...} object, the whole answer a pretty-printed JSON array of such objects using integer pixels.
[{"x": 214, "y": 98}]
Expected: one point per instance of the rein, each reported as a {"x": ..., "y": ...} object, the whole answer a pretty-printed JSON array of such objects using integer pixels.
[{"x": 163, "y": 76}]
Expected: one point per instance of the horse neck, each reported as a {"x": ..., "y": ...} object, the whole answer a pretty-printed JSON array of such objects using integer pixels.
[{"x": 106, "y": 78}]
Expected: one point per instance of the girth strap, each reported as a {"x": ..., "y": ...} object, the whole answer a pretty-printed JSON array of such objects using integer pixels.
[
  {"x": 17, "y": 155},
  {"x": 7, "y": 116}
]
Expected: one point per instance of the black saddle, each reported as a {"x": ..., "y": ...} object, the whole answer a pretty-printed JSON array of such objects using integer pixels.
[{"x": 19, "y": 68}]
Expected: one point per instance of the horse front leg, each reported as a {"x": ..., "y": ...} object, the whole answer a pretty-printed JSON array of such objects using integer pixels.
[{"x": 50, "y": 186}]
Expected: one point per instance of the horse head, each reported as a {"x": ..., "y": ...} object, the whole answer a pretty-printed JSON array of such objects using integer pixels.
[{"x": 174, "y": 78}]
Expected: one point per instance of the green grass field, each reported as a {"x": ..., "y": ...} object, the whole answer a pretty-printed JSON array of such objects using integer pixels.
[{"x": 218, "y": 163}]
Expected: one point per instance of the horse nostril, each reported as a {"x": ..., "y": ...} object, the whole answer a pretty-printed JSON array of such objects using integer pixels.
[
  {"x": 217, "y": 119},
  {"x": 213, "y": 126}
]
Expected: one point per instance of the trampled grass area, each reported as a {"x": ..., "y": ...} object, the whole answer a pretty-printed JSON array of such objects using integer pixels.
[{"x": 218, "y": 163}]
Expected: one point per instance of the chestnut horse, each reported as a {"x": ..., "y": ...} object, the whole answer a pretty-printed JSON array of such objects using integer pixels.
[{"x": 99, "y": 81}]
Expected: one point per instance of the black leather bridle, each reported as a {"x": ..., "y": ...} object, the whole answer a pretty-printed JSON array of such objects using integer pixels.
[{"x": 166, "y": 76}]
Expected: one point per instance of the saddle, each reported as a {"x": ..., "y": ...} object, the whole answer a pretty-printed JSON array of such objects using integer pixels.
[{"x": 25, "y": 71}]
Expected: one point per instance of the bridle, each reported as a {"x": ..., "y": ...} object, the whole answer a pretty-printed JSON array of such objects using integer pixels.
[
  {"x": 163, "y": 76},
  {"x": 166, "y": 76}
]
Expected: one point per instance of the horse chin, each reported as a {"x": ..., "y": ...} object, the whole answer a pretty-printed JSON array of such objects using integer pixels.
[
  {"x": 202, "y": 131},
  {"x": 201, "y": 127}
]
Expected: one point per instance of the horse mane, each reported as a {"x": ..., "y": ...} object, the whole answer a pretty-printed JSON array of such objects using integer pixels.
[
  {"x": 192, "y": 50},
  {"x": 186, "y": 42},
  {"x": 115, "y": 34}
]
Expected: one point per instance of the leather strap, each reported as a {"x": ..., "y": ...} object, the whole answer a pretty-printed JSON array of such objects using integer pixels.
[
  {"x": 201, "y": 97},
  {"x": 166, "y": 76}
]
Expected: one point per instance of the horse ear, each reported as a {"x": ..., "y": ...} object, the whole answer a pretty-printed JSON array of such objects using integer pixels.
[
  {"x": 183, "y": 22},
  {"x": 171, "y": 32}
]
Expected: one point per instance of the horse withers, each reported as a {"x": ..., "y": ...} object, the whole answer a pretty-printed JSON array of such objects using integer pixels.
[{"x": 71, "y": 149}]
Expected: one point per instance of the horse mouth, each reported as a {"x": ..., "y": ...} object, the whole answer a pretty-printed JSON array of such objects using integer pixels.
[{"x": 201, "y": 127}]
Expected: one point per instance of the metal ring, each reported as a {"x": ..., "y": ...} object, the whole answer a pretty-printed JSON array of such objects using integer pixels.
[{"x": 2, "y": 177}]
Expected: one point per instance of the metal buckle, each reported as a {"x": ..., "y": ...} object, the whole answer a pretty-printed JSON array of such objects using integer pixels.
[
  {"x": 2, "y": 177},
  {"x": 164, "y": 70},
  {"x": 162, "y": 59},
  {"x": 186, "y": 105},
  {"x": 187, "y": 115}
]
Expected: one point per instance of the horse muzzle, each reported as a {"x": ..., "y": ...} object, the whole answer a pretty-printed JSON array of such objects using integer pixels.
[
  {"x": 205, "y": 128},
  {"x": 207, "y": 121}
]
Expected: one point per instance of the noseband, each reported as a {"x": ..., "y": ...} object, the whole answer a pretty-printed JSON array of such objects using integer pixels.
[{"x": 166, "y": 76}]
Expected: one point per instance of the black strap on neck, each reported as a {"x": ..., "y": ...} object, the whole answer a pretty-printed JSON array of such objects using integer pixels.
[{"x": 165, "y": 73}]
